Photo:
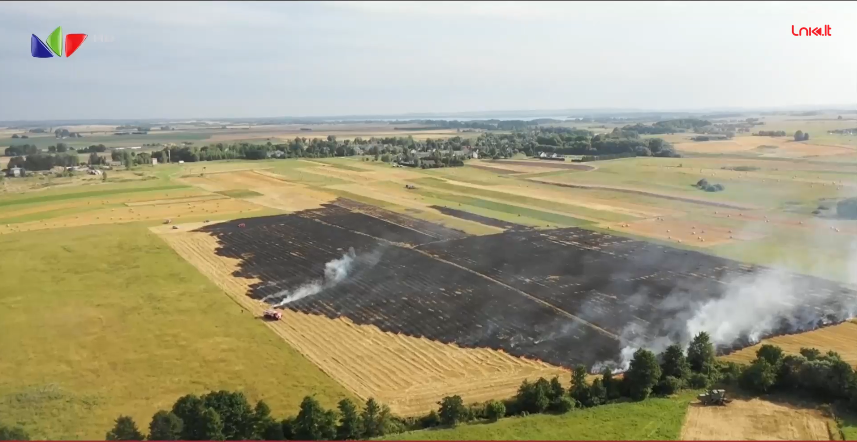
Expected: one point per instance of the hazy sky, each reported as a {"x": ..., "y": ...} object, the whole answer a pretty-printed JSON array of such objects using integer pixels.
[{"x": 177, "y": 60}]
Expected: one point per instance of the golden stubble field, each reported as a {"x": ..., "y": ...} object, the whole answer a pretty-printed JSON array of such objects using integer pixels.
[{"x": 754, "y": 419}]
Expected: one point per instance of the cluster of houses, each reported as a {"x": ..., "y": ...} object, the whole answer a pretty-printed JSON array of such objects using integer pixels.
[{"x": 19, "y": 172}]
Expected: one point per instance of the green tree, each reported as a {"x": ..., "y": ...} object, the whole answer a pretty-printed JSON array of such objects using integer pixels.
[
  {"x": 643, "y": 374},
  {"x": 125, "y": 429},
  {"x": 556, "y": 389},
  {"x": 810, "y": 354},
  {"x": 165, "y": 426},
  {"x": 13, "y": 433},
  {"x": 430, "y": 420},
  {"x": 598, "y": 392},
  {"x": 494, "y": 410},
  {"x": 612, "y": 386},
  {"x": 580, "y": 388},
  {"x": 265, "y": 427},
  {"x": 452, "y": 410},
  {"x": 189, "y": 409},
  {"x": 668, "y": 385},
  {"x": 788, "y": 373},
  {"x": 211, "y": 426},
  {"x": 349, "y": 425},
  {"x": 700, "y": 353},
  {"x": 287, "y": 426},
  {"x": 313, "y": 421},
  {"x": 375, "y": 419},
  {"x": 674, "y": 363},
  {"x": 533, "y": 397},
  {"x": 759, "y": 377},
  {"x": 234, "y": 411},
  {"x": 799, "y": 135},
  {"x": 770, "y": 353}
]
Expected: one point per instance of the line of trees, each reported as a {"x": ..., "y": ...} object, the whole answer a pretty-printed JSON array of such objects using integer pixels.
[
  {"x": 42, "y": 161},
  {"x": 770, "y": 133},
  {"x": 571, "y": 141},
  {"x": 669, "y": 126}
]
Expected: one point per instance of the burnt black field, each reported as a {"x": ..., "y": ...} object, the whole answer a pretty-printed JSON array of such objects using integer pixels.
[{"x": 563, "y": 296}]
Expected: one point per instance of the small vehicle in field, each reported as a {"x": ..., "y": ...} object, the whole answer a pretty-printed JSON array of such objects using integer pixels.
[
  {"x": 242, "y": 225},
  {"x": 272, "y": 315},
  {"x": 714, "y": 397}
]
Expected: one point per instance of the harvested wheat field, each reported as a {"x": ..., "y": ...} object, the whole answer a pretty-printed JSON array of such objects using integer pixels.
[
  {"x": 841, "y": 338},
  {"x": 777, "y": 146},
  {"x": 407, "y": 373},
  {"x": 274, "y": 191},
  {"x": 684, "y": 231},
  {"x": 754, "y": 419}
]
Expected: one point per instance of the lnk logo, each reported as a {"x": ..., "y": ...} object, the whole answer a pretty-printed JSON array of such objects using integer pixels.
[
  {"x": 818, "y": 32},
  {"x": 55, "y": 43}
]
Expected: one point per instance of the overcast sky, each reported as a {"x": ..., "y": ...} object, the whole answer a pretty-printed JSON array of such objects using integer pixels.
[{"x": 186, "y": 60}]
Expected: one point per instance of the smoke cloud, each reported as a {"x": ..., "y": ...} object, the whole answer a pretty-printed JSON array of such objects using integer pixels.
[
  {"x": 752, "y": 307},
  {"x": 335, "y": 272}
]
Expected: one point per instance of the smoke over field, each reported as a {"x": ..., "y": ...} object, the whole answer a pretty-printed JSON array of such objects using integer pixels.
[{"x": 563, "y": 296}]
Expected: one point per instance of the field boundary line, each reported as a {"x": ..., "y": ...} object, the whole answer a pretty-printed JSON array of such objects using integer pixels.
[
  {"x": 645, "y": 193},
  {"x": 386, "y": 221},
  {"x": 523, "y": 293}
]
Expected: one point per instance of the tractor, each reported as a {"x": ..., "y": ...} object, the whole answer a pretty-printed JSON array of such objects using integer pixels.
[
  {"x": 272, "y": 315},
  {"x": 714, "y": 397}
]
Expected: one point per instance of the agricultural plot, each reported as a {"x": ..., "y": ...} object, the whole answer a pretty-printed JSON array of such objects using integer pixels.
[
  {"x": 401, "y": 290},
  {"x": 408, "y": 373},
  {"x": 779, "y": 147},
  {"x": 532, "y": 300},
  {"x": 754, "y": 419}
]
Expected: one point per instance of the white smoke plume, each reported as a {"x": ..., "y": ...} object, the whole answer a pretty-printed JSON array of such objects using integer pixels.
[
  {"x": 752, "y": 307},
  {"x": 335, "y": 272}
]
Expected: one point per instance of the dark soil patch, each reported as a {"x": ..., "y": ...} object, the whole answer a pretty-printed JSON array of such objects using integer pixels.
[{"x": 479, "y": 218}]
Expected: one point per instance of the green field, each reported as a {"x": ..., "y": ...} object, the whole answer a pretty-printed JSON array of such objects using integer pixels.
[
  {"x": 106, "y": 320},
  {"x": 653, "y": 419},
  {"x": 518, "y": 199},
  {"x": 239, "y": 193}
]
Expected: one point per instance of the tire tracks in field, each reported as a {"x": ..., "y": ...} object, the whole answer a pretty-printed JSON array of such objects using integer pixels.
[{"x": 525, "y": 294}]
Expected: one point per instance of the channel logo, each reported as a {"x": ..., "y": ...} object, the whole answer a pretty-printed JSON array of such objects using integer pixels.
[{"x": 55, "y": 44}]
